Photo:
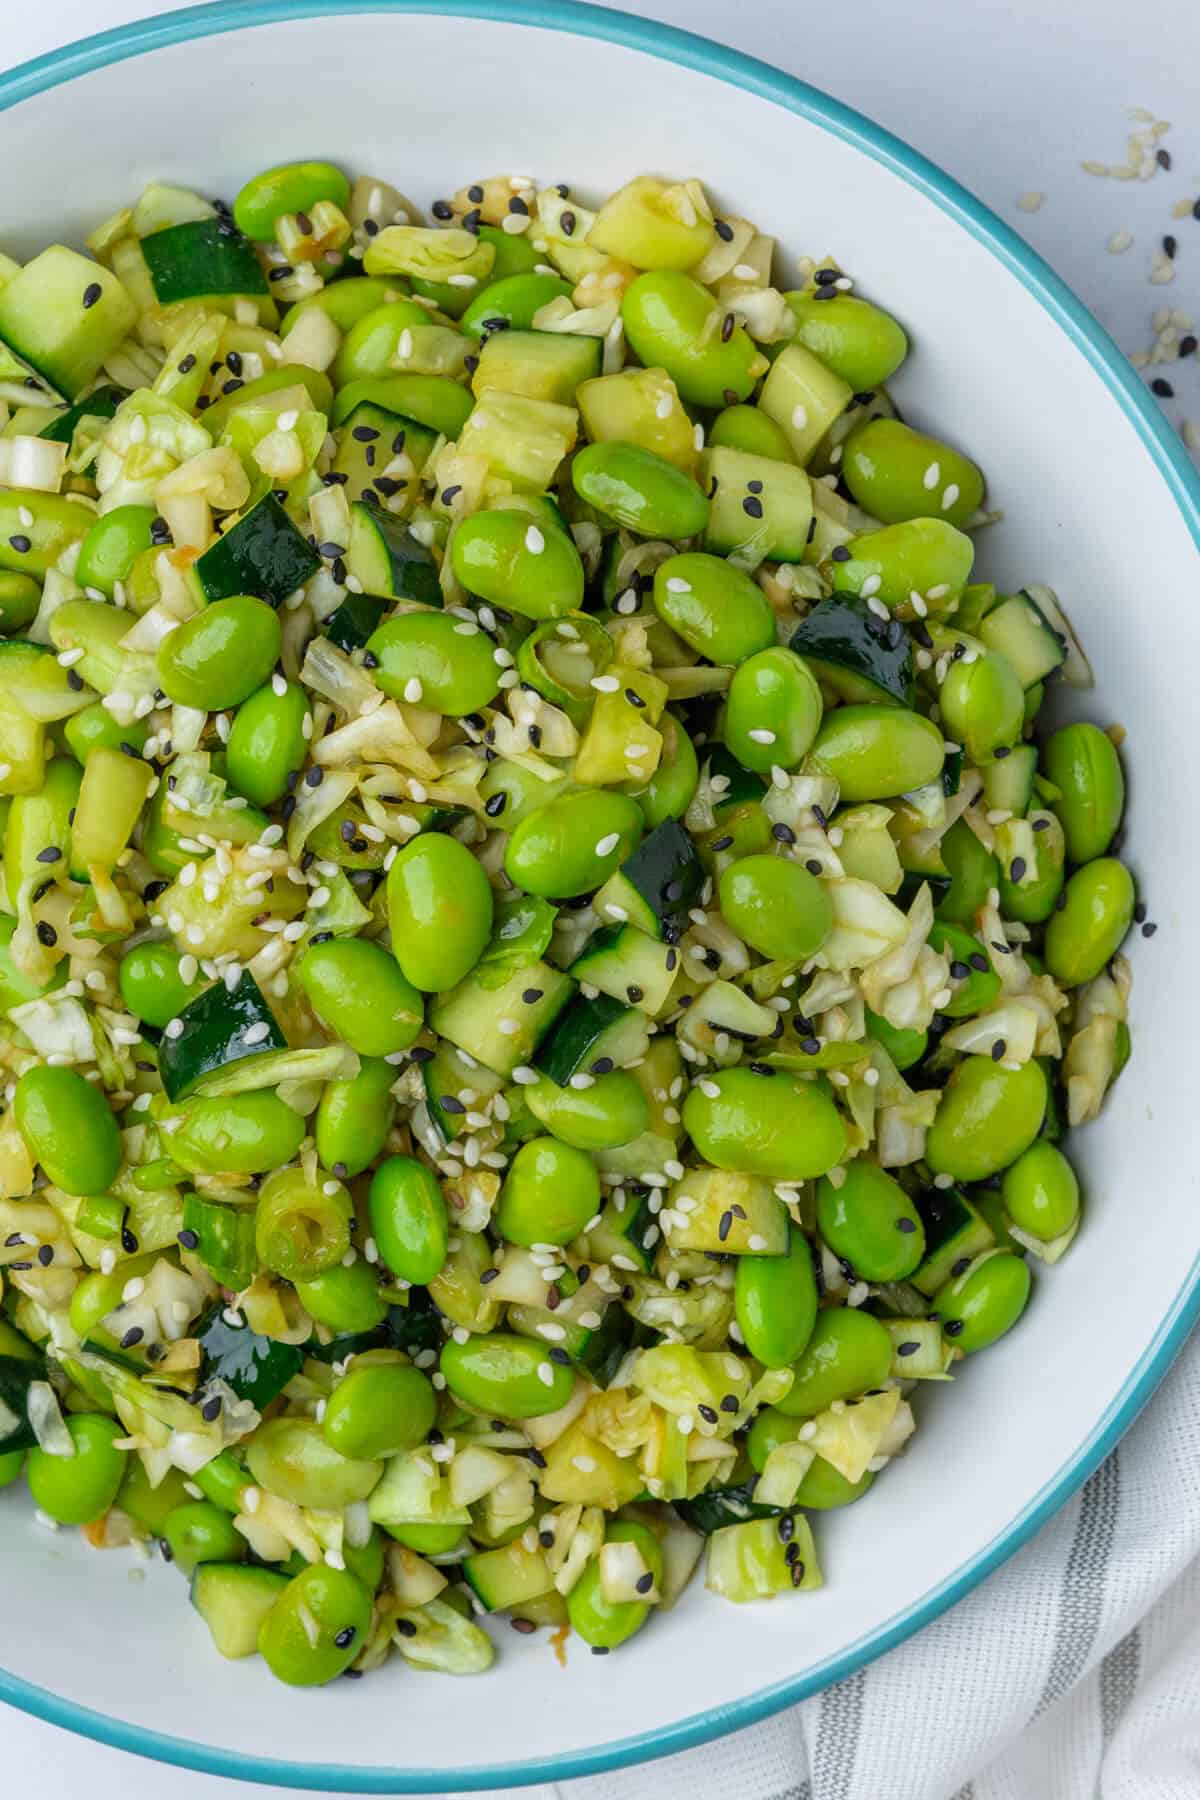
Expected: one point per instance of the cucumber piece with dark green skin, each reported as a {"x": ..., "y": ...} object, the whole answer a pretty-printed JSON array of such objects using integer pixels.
[
  {"x": 1018, "y": 629},
  {"x": 233, "y": 1599},
  {"x": 367, "y": 442},
  {"x": 603, "y": 1030},
  {"x": 952, "y": 772},
  {"x": 608, "y": 1346},
  {"x": 356, "y": 620},
  {"x": 101, "y": 403},
  {"x": 205, "y": 257},
  {"x": 386, "y": 558},
  {"x": 954, "y": 1231},
  {"x": 864, "y": 659},
  {"x": 471, "y": 1014},
  {"x": 657, "y": 884},
  {"x": 256, "y": 1368},
  {"x": 263, "y": 554},
  {"x": 224, "y": 1239},
  {"x": 622, "y": 1230},
  {"x": 16, "y": 1373},
  {"x": 712, "y": 1511},
  {"x": 523, "y": 928},
  {"x": 628, "y": 964},
  {"x": 214, "y": 1031},
  {"x": 743, "y": 786}
]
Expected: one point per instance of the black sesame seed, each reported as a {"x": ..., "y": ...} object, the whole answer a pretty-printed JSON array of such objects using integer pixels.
[
  {"x": 1170, "y": 246},
  {"x": 723, "y": 230},
  {"x": 1163, "y": 158},
  {"x": 314, "y": 777},
  {"x": 754, "y": 487},
  {"x": 960, "y": 970},
  {"x": 953, "y": 1327},
  {"x": 281, "y": 273},
  {"x": 753, "y": 506},
  {"x": 45, "y": 1255},
  {"x": 1016, "y": 868},
  {"x": 91, "y": 294},
  {"x": 1187, "y": 345},
  {"x": 559, "y": 1355},
  {"x": 568, "y": 221},
  {"x": 475, "y": 193},
  {"x": 448, "y": 494},
  {"x": 905, "y": 1224},
  {"x": 495, "y": 806},
  {"x": 531, "y": 996},
  {"x": 784, "y": 834},
  {"x": 721, "y": 843},
  {"x": 791, "y": 1555},
  {"x": 46, "y": 934},
  {"x": 187, "y": 365},
  {"x": 50, "y": 854},
  {"x": 20, "y": 543},
  {"x": 441, "y": 209},
  {"x": 471, "y": 221},
  {"x": 635, "y": 993},
  {"x": 1162, "y": 388},
  {"x": 133, "y": 1336},
  {"x": 707, "y": 1413},
  {"x": 189, "y": 1239},
  {"x": 840, "y": 553},
  {"x": 724, "y": 1226},
  {"x": 74, "y": 680},
  {"x": 535, "y": 736},
  {"x": 518, "y": 206},
  {"x": 809, "y": 1045},
  {"x": 524, "y": 1626},
  {"x": 634, "y": 698},
  {"x": 813, "y": 866},
  {"x": 489, "y": 1275},
  {"x": 535, "y": 1457},
  {"x": 729, "y": 1403},
  {"x": 452, "y": 1104},
  {"x": 211, "y": 1409},
  {"x": 727, "y": 325},
  {"x": 998, "y": 1050},
  {"x": 599, "y": 1649},
  {"x": 825, "y": 293},
  {"x": 1148, "y": 931},
  {"x": 978, "y": 961},
  {"x": 341, "y": 1171},
  {"x": 406, "y": 1628},
  {"x": 798, "y": 1567},
  {"x": 545, "y": 1538},
  {"x": 760, "y": 1068}
]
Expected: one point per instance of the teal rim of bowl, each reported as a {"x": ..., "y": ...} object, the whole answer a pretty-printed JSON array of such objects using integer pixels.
[{"x": 690, "y": 52}]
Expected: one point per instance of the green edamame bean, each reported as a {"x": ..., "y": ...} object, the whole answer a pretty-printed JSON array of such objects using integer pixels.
[
  {"x": 1092, "y": 917},
  {"x": 68, "y": 1128},
  {"x": 772, "y": 710},
  {"x": 606, "y": 1623},
  {"x": 775, "y": 1302},
  {"x": 223, "y": 1481},
  {"x": 770, "y": 1429},
  {"x": 824, "y": 1487},
  {"x": 58, "y": 522},
  {"x": 301, "y": 1228},
  {"x": 785, "y": 1128},
  {"x": 267, "y": 742},
  {"x": 510, "y": 560},
  {"x": 151, "y": 985},
  {"x": 640, "y": 490},
  {"x": 344, "y": 1299},
  {"x": 613, "y": 1111},
  {"x": 98, "y": 1294},
  {"x": 109, "y": 550},
  {"x": 77, "y": 1489},
  {"x": 505, "y": 1376},
  {"x": 12, "y": 1466},
  {"x": 242, "y": 1134},
  {"x": 291, "y": 188},
  {"x": 870, "y": 1222},
  {"x": 713, "y": 606},
  {"x": 440, "y": 911},
  {"x": 289, "y": 1457},
  {"x": 666, "y": 316},
  {"x": 973, "y": 871},
  {"x": 1041, "y": 1192},
  {"x": 20, "y": 597},
  {"x": 898, "y": 473},
  {"x": 379, "y": 1410},
  {"x": 359, "y": 993},
  {"x": 218, "y": 657},
  {"x": 983, "y": 704},
  {"x": 776, "y": 906},
  {"x": 849, "y": 1351},
  {"x": 858, "y": 341},
  {"x": 749, "y": 429},
  {"x": 1082, "y": 762},
  {"x": 877, "y": 752},
  {"x": 427, "y": 1540},
  {"x": 335, "y": 1605},
  {"x": 668, "y": 793},
  {"x": 512, "y": 299},
  {"x": 974, "y": 987},
  {"x": 199, "y": 1532},
  {"x": 408, "y": 1219},
  {"x": 354, "y": 1118},
  {"x": 986, "y": 1117},
  {"x": 423, "y": 657},
  {"x": 368, "y": 350},
  {"x": 905, "y": 1046},
  {"x": 94, "y": 728},
  {"x": 980, "y": 1305},
  {"x": 550, "y": 1192},
  {"x": 922, "y": 556},
  {"x": 150, "y": 1507},
  {"x": 573, "y": 843},
  {"x": 345, "y": 302},
  {"x": 366, "y": 1561},
  {"x": 1033, "y": 901}
]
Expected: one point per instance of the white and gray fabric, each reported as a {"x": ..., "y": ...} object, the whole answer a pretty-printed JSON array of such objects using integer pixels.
[{"x": 1073, "y": 1673}]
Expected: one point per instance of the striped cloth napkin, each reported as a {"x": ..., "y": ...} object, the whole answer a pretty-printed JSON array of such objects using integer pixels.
[{"x": 1073, "y": 1673}]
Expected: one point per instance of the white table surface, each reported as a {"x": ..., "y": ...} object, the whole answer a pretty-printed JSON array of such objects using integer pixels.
[{"x": 1009, "y": 96}]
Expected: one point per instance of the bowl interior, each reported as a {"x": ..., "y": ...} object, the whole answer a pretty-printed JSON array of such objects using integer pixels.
[{"x": 430, "y": 102}]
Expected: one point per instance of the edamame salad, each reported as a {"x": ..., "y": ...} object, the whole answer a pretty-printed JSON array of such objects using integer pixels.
[{"x": 549, "y": 962}]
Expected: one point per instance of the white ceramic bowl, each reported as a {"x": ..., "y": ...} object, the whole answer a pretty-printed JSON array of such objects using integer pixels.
[{"x": 1099, "y": 502}]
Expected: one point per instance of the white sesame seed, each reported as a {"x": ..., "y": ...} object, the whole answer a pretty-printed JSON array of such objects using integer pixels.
[
  {"x": 949, "y": 496},
  {"x": 173, "y": 1028},
  {"x": 278, "y": 685},
  {"x": 870, "y": 586},
  {"x": 760, "y": 735},
  {"x": 254, "y": 1034},
  {"x": 545, "y": 1374},
  {"x": 524, "y": 1075},
  {"x": 535, "y": 543},
  {"x": 662, "y": 407},
  {"x": 799, "y": 417},
  {"x": 1031, "y": 202},
  {"x": 932, "y": 475},
  {"x": 677, "y": 585},
  {"x": 607, "y": 844},
  {"x": 709, "y": 1089},
  {"x": 877, "y": 607},
  {"x": 509, "y": 1027},
  {"x": 605, "y": 684},
  {"x": 413, "y": 691},
  {"x": 581, "y": 1080}
]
